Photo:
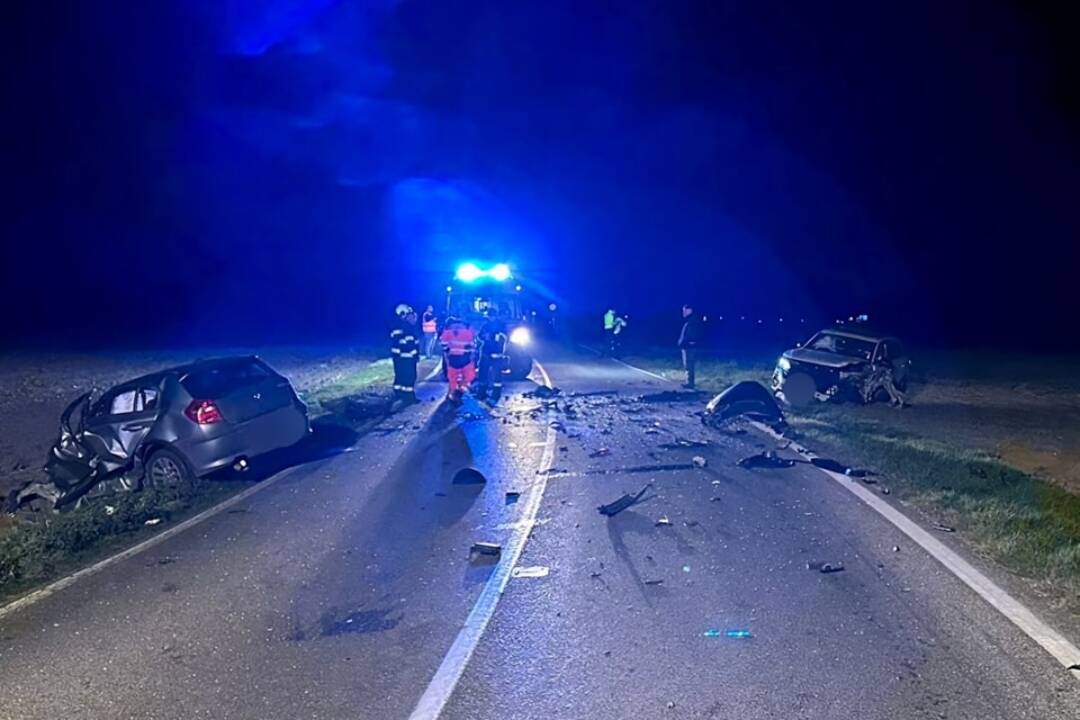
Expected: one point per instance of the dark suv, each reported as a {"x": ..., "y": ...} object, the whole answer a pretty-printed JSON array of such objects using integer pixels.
[
  {"x": 836, "y": 359},
  {"x": 167, "y": 428}
]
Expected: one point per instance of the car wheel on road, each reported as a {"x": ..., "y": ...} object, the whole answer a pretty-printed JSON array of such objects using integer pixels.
[{"x": 168, "y": 470}]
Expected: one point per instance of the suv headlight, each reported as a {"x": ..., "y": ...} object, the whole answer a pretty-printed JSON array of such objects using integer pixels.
[
  {"x": 784, "y": 364},
  {"x": 520, "y": 336}
]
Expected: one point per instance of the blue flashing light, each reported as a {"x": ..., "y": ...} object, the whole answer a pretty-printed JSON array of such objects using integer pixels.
[
  {"x": 469, "y": 272},
  {"x": 500, "y": 272}
]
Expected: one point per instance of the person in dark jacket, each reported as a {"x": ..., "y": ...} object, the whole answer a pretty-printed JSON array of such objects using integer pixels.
[
  {"x": 689, "y": 338},
  {"x": 405, "y": 352},
  {"x": 491, "y": 356}
]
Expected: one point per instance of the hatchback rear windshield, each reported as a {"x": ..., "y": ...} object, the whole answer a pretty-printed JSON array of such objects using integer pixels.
[{"x": 221, "y": 378}]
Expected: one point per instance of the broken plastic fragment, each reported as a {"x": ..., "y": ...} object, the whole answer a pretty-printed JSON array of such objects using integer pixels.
[
  {"x": 152, "y": 521},
  {"x": 486, "y": 548},
  {"x": 825, "y": 567},
  {"x": 537, "y": 571},
  {"x": 664, "y": 520},
  {"x": 700, "y": 461},
  {"x": 767, "y": 459},
  {"x": 944, "y": 528},
  {"x": 654, "y": 582},
  {"x": 512, "y": 497},
  {"x": 738, "y": 634},
  {"x": 616, "y": 507},
  {"x": 600, "y": 453}
]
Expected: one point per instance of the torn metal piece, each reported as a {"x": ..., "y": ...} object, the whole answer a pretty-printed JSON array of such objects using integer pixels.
[
  {"x": 767, "y": 459},
  {"x": 486, "y": 548},
  {"x": 602, "y": 452},
  {"x": 943, "y": 528},
  {"x": 663, "y": 520},
  {"x": 825, "y": 567},
  {"x": 537, "y": 571},
  {"x": 627, "y": 500}
]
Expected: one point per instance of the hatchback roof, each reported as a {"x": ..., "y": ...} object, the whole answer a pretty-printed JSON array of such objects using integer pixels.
[{"x": 179, "y": 371}]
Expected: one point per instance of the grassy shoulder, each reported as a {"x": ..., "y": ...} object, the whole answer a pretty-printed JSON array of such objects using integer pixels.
[
  {"x": 1029, "y": 525},
  {"x": 39, "y": 548}
]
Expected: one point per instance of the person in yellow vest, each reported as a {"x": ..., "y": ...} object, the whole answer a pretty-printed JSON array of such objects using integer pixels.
[{"x": 429, "y": 325}]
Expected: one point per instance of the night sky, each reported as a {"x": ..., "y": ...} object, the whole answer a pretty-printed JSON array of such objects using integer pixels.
[{"x": 237, "y": 171}]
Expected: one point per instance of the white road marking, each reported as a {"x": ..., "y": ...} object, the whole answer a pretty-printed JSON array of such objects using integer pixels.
[
  {"x": 69, "y": 580},
  {"x": 58, "y": 585},
  {"x": 1049, "y": 639},
  {"x": 596, "y": 352},
  {"x": 1019, "y": 614},
  {"x": 441, "y": 687}
]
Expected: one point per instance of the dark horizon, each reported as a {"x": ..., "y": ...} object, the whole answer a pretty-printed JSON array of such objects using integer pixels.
[{"x": 288, "y": 171}]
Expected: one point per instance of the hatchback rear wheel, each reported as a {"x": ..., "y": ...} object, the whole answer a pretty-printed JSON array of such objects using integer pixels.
[{"x": 168, "y": 470}]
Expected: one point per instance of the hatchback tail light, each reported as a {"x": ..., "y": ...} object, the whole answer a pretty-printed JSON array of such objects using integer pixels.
[{"x": 203, "y": 412}]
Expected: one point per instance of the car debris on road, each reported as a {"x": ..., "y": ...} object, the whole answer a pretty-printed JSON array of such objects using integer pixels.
[
  {"x": 624, "y": 502},
  {"x": 765, "y": 459},
  {"x": 746, "y": 399}
]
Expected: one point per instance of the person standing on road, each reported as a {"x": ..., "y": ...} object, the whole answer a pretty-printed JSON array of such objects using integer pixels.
[
  {"x": 405, "y": 352},
  {"x": 429, "y": 325},
  {"x": 613, "y": 326},
  {"x": 689, "y": 338},
  {"x": 609, "y": 329},
  {"x": 458, "y": 341},
  {"x": 492, "y": 356}
]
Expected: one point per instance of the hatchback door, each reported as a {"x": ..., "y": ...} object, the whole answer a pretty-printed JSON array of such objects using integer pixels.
[
  {"x": 120, "y": 421},
  {"x": 242, "y": 389}
]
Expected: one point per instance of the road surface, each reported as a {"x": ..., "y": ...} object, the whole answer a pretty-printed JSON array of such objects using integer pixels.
[{"x": 344, "y": 589}]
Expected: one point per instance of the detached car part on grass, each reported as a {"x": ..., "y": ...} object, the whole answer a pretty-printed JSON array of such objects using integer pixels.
[
  {"x": 166, "y": 429},
  {"x": 836, "y": 365},
  {"x": 746, "y": 399}
]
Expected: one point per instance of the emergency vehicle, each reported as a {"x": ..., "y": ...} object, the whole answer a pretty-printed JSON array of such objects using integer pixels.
[{"x": 476, "y": 292}]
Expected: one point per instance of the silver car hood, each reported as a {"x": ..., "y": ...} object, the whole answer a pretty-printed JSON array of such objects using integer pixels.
[{"x": 820, "y": 357}]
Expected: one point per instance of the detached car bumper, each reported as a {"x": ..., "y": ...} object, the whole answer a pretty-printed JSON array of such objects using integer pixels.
[{"x": 273, "y": 431}]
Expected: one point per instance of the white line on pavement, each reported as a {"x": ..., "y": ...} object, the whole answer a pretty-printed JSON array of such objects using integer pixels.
[
  {"x": 145, "y": 545},
  {"x": 441, "y": 687},
  {"x": 1048, "y": 639}
]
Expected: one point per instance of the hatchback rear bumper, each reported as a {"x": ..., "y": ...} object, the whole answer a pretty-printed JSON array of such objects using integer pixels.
[{"x": 272, "y": 431}]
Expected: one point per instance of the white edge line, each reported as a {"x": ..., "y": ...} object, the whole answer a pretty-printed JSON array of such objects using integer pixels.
[
  {"x": 442, "y": 685},
  {"x": 1049, "y": 639},
  {"x": 58, "y": 585},
  {"x": 1016, "y": 612},
  {"x": 596, "y": 352}
]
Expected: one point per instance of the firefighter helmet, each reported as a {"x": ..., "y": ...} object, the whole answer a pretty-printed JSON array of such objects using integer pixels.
[{"x": 403, "y": 310}]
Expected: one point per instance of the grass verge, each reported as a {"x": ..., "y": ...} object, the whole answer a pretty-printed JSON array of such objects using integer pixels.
[
  {"x": 36, "y": 550},
  {"x": 1030, "y": 526}
]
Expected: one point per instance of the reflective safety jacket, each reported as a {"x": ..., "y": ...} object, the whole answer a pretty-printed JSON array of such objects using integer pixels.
[
  {"x": 458, "y": 341},
  {"x": 428, "y": 325},
  {"x": 609, "y": 320},
  {"x": 403, "y": 341}
]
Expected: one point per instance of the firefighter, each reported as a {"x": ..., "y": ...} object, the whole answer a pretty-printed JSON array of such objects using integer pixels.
[
  {"x": 429, "y": 326},
  {"x": 458, "y": 341},
  {"x": 405, "y": 352},
  {"x": 492, "y": 356}
]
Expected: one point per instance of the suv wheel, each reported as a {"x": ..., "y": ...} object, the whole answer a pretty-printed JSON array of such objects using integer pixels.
[{"x": 167, "y": 470}]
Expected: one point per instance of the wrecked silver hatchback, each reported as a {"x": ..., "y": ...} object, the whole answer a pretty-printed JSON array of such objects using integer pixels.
[{"x": 166, "y": 429}]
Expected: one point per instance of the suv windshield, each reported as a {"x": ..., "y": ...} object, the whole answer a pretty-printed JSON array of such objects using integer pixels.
[{"x": 842, "y": 345}]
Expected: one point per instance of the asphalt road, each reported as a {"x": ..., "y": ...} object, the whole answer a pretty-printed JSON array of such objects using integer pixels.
[{"x": 338, "y": 590}]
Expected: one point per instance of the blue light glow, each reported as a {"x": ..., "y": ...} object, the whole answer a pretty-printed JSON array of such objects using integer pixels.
[
  {"x": 469, "y": 272},
  {"x": 500, "y": 272}
]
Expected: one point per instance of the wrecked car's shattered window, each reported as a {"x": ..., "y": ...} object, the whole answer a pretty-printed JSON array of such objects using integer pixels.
[{"x": 842, "y": 345}]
